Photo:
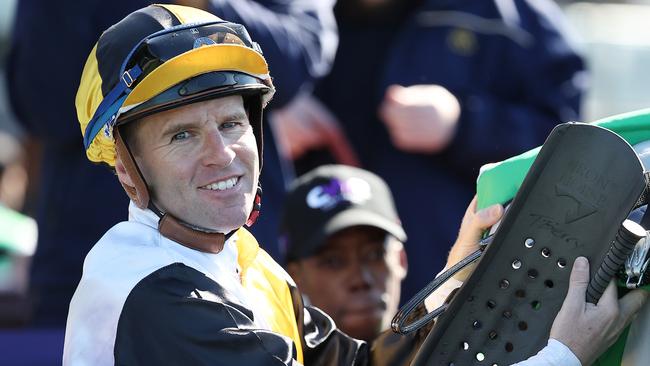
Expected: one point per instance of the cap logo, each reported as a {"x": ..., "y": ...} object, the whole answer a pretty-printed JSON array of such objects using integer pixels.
[{"x": 329, "y": 195}]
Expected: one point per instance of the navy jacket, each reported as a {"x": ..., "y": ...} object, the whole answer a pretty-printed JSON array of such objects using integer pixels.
[
  {"x": 78, "y": 202},
  {"x": 510, "y": 66}
]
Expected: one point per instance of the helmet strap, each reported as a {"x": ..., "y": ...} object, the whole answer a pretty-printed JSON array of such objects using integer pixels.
[
  {"x": 257, "y": 206},
  {"x": 138, "y": 193}
]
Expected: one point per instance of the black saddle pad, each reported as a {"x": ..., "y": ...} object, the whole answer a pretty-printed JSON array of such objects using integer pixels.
[{"x": 584, "y": 182}]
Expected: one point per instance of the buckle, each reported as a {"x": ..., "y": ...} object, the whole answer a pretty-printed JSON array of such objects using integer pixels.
[
  {"x": 637, "y": 263},
  {"x": 130, "y": 80}
]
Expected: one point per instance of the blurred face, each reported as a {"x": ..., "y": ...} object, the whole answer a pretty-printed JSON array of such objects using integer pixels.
[
  {"x": 355, "y": 279},
  {"x": 200, "y": 162}
]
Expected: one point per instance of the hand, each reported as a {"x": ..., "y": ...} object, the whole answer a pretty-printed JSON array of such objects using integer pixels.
[
  {"x": 420, "y": 118},
  {"x": 589, "y": 329},
  {"x": 306, "y": 124},
  {"x": 471, "y": 230}
]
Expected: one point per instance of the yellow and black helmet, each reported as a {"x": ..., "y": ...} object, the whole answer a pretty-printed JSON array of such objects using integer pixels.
[{"x": 161, "y": 57}]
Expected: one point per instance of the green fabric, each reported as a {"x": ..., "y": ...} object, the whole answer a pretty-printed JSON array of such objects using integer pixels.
[
  {"x": 17, "y": 232},
  {"x": 498, "y": 183},
  {"x": 614, "y": 355}
]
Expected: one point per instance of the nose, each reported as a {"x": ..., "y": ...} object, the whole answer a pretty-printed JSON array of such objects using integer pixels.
[
  {"x": 216, "y": 150},
  {"x": 361, "y": 277}
]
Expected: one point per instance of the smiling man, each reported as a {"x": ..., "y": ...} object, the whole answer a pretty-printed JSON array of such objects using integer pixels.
[{"x": 172, "y": 98}]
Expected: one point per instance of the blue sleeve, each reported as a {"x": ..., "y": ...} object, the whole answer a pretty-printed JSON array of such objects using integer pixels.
[
  {"x": 547, "y": 77},
  {"x": 298, "y": 38}
]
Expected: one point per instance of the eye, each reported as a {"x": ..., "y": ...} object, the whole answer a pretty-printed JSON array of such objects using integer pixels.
[
  {"x": 331, "y": 262},
  {"x": 181, "y": 136},
  {"x": 376, "y": 254},
  {"x": 229, "y": 125}
]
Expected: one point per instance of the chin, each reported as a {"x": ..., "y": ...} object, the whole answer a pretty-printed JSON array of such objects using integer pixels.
[
  {"x": 367, "y": 330},
  {"x": 367, "y": 334},
  {"x": 226, "y": 227},
  {"x": 233, "y": 221}
]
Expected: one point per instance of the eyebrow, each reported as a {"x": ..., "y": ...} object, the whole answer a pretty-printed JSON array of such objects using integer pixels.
[
  {"x": 176, "y": 127},
  {"x": 235, "y": 116}
]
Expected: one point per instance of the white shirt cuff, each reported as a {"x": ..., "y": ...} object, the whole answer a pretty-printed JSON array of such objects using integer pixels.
[
  {"x": 554, "y": 354},
  {"x": 438, "y": 297}
]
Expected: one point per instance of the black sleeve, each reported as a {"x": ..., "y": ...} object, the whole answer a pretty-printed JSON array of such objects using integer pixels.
[
  {"x": 325, "y": 344},
  {"x": 178, "y": 316}
]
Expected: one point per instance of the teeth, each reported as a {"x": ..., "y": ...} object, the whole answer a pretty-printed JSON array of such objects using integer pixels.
[{"x": 221, "y": 185}]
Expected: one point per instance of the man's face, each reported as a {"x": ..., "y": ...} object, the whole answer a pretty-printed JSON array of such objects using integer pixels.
[
  {"x": 355, "y": 279},
  {"x": 200, "y": 162}
]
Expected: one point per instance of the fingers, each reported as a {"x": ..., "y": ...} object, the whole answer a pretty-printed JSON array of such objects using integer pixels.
[
  {"x": 488, "y": 216},
  {"x": 394, "y": 93},
  {"x": 578, "y": 282},
  {"x": 390, "y": 111},
  {"x": 471, "y": 230},
  {"x": 475, "y": 223}
]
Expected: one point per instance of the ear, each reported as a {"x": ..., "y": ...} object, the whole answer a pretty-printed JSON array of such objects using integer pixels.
[
  {"x": 122, "y": 174},
  {"x": 141, "y": 199},
  {"x": 127, "y": 173},
  {"x": 403, "y": 261},
  {"x": 396, "y": 257}
]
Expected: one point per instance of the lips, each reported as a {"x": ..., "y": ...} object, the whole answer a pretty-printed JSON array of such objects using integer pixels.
[{"x": 365, "y": 306}]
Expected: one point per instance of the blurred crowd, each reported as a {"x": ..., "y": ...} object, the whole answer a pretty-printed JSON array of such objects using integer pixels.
[{"x": 420, "y": 93}]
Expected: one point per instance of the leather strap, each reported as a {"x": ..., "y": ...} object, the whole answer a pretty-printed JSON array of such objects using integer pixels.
[
  {"x": 139, "y": 193},
  {"x": 172, "y": 229}
]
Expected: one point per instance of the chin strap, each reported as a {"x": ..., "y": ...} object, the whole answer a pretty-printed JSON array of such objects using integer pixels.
[{"x": 173, "y": 229}]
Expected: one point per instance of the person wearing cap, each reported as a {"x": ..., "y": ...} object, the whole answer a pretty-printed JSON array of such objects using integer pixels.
[
  {"x": 340, "y": 223},
  {"x": 172, "y": 98}
]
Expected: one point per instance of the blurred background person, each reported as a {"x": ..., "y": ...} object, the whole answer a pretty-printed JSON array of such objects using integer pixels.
[
  {"x": 429, "y": 90},
  {"x": 77, "y": 203},
  {"x": 344, "y": 249}
]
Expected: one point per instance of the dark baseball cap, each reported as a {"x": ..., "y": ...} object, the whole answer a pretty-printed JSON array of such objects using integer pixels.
[{"x": 329, "y": 199}]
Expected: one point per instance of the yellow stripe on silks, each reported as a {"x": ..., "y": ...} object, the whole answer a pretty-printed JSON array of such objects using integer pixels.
[
  {"x": 89, "y": 97},
  {"x": 186, "y": 14},
  {"x": 267, "y": 282},
  {"x": 219, "y": 57}
]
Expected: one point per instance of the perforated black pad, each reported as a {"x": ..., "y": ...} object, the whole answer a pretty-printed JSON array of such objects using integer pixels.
[{"x": 581, "y": 187}]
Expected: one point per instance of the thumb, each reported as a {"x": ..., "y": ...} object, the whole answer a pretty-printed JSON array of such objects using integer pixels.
[
  {"x": 475, "y": 223},
  {"x": 578, "y": 281},
  {"x": 393, "y": 92},
  {"x": 489, "y": 216}
]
